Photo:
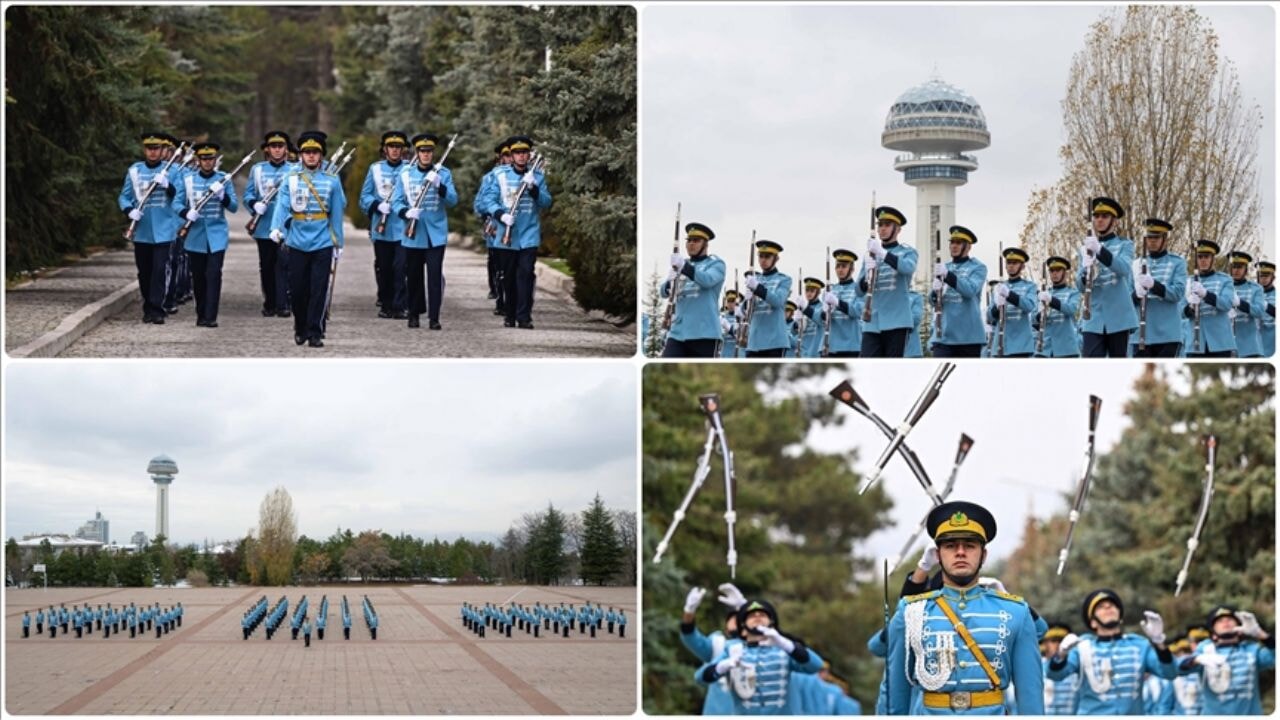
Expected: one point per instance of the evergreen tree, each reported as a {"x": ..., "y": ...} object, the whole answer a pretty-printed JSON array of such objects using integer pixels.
[
  {"x": 545, "y": 550},
  {"x": 652, "y": 327},
  {"x": 601, "y": 553}
]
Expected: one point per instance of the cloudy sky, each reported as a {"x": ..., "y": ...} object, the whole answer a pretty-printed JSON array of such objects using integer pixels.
[
  {"x": 444, "y": 448},
  {"x": 769, "y": 116}
]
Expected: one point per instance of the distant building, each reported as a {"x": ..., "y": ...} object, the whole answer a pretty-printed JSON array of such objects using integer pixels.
[
  {"x": 162, "y": 469},
  {"x": 59, "y": 543},
  {"x": 139, "y": 540},
  {"x": 96, "y": 529}
]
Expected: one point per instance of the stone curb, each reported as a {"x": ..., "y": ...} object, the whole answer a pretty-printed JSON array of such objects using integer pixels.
[
  {"x": 75, "y": 325},
  {"x": 549, "y": 279}
]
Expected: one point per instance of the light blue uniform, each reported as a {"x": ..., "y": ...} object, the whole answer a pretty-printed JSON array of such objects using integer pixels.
[
  {"x": 816, "y": 696},
  {"x": 1019, "y": 308},
  {"x": 890, "y": 308},
  {"x": 913, "y": 336},
  {"x": 729, "y": 340},
  {"x": 846, "y": 317},
  {"x": 379, "y": 186},
  {"x": 768, "y": 319},
  {"x": 321, "y": 230},
  {"x": 697, "y": 314},
  {"x": 1166, "y": 298},
  {"x": 1241, "y": 693},
  {"x": 1060, "y": 696},
  {"x": 719, "y": 699},
  {"x": 1188, "y": 695},
  {"x": 1249, "y": 314},
  {"x": 159, "y": 223},
  {"x": 209, "y": 234},
  {"x": 773, "y": 670},
  {"x": 432, "y": 228},
  {"x": 1061, "y": 336},
  {"x": 263, "y": 178},
  {"x": 1001, "y": 625},
  {"x": 1111, "y": 307},
  {"x": 1157, "y": 696},
  {"x": 1120, "y": 690},
  {"x": 814, "y": 325},
  {"x": 961, "y": 303},
  {"x": 1267, "y": 333},
  {"x": 1215, "y": 324},
  {"x": 496, "y": 199}
]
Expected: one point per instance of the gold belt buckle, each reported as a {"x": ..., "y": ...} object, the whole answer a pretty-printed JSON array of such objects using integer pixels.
[{"x": 961, "y": 700}]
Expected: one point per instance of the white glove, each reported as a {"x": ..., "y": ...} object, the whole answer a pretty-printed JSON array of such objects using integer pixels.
[
  {"x": 192, "y": 215},
  {"x": 1153, "y": 626},
  {"x": 999, "y": 300},
  {"x": 1193, "y": 299},
  {"x": 1199, "y": 289},
  {"x": 799, "y": 302},
  {"x": 1092, "y": 245},
  {"x": 217, "y": 188},
  {"x": 1045, "y": 296},
  {"x": 528, "y": 179},
  {"x": 724, "y": 326},
  {"x": 940, "y": 270},
  {"x": 432, "y": 177},
  {"x": 1002, "y": 291},
  {"x": 992, "y": 584},
  {"x": 1249, "y": 626},
  {"x": 1209, "y": 659},
  {"x": 162, "y": 180},
  {"x": 875, "y": 248},
  {"x": 1140, "y": 291},
  {"x": 693, "y": 599},
  {"x": 773, "y": 638},
  {"x": 276, "y": 236},
  {"x": 1145, "y": 280},
  {"x": 1087, "y": 261},
  {"x": 830, "y": 300},
  {"x": 937, "y": 285},
  {"x": 384, "y": 207},
  {"x": 928, "y": 559},
  {"x": 1231, "y": 314},
  {"x": 752, "y": 282},
  {"x": 1068, "y": 642},
  {"x": 734, "y": 659},
  {"x": 731, "y": 596},
  {"x": 738, "y": 313},
  {"x": 508, "y": 219},
  {"x": 869, "y": 264},
  {"x": 413, "y": 213},
  {"x": 1235, "y": 301},
  {"x": 677, "y": 262},
  {"x": 259, "y": 208},
  {"x": 135, "y": 215}
]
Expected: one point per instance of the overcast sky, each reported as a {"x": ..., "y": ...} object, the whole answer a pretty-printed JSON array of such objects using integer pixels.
[
  {"x": 444, "y": 448},
  {"x": 769, "y": 116}
]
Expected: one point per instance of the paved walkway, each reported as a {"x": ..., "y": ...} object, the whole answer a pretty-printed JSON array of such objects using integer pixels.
[
  {"x": 423, "y": 662},
  {"x": 92, "y": 309}
]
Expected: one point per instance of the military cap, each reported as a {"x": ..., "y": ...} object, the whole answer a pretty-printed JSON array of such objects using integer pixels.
[
  {"x": 1180, "y": 644},
  {"x": 275, "y": 136},
  {"x": 520, "y": 143},
  {"x": 313, "y": 140},
  {"x": 960, "y": 232},
  {"x": 1221, "y": 611},
  {"x": 1207, "y": 246},
  {"x": 1106, "y": 206},
  {"x": 756, "y": 606},
  {"x": 395, "y": 137},
  {"x": 768, "y": 247},
  {"x": 813, "y": 283},
  {"x": 790, "y": 305},
  {"x": 170, "y": 140},
  {"x": 1240, "y": 257},
  {"x": 884, "y": 212},
  {"x": 1197, "y": 633},
  {"x": 1266, "y": 266},
  {"x": 1016, "y": 254},
  {"x": 1057, "y": 631},
  {"x": 153, "y": 138},
  {"x": 730, "y": 294},
  {"x": 206, "y": 149},
  {"x": 844, "y": 255},
  {"x": 1057, "y": 262},
  {"x": 959, "y": 518},
  {"x": 1156, "y": 226},
  {"x": 698, "y": 231},
  {"x": 1092, "y": 599},
  {"x": 425, "y": 140},
  {"x": 502, "y": 148}
]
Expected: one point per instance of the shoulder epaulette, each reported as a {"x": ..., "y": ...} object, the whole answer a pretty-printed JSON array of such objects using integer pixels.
[
  {"x": 1009, "y": 596},
  {"x": 922, "y": 596}
]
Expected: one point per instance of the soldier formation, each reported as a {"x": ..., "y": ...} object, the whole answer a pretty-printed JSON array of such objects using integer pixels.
[
  {"x": 1118, "y": 304},
  {"x": 84, "y": 619},
  {"x": 559, "y": 620},
  {"x": 177, "y": 203},
  {"x": 300, "y": 622}
]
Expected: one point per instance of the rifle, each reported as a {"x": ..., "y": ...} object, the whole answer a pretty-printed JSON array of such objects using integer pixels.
[
  {"x": 937, "y": 310},
  {"x": 922, "y": 404},
  {"x": 875, "y": 272},
  {"x": 669, "y": 315},
  {"x": 802, "y": 323},
  {"x": 226, "y": 179},
  {"x": 1003, "y": 309},
  {"x": 1082, "y": 488},
  {"x": 845, "y": 393},
  {"x": 888, "y": 671},
  {"x": 826, "y": 312},
  {"x": 333, "y": 159},
  {"x": 422, "y": 194},
  {"x": 966, "y": 443},
  {"x": 266, "y": 200},
  {"x": 335, "y": 170},
  {"x": 534, "y": 165},
  {"x": 142, "y": 202},
  {"x": 1206, "y": 496},
  {"x": 1086, "y": 303},
  {"x": 1142, "y": 304},
  {"x": 1044, "y": 310},
  {"x": 744, "y": 327}
]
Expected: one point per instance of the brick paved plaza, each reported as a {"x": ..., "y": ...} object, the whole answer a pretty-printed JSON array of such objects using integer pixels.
[{"x": 423, "y": 662}]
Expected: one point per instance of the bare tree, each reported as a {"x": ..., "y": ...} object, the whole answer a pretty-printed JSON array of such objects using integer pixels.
[
  {"x": 625, "y": 521},
  {"x": 1154, "y": 118},
  {"x": 277, "y": 534}
]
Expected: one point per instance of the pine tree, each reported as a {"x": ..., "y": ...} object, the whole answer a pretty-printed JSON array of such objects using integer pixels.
[
  {"x": 651, "y": 327},
  {"x": 601, "y": 553},
  {"x": 545, "y": 549}
]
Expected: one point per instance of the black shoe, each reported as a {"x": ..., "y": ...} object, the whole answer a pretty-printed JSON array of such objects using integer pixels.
[
  {"x": 284, "y": 313},
  {"x": 493, "y": 295},
  {"x": 211, "y": 324},
  {"x": 399, "y": 314},
  {"x": 435, "y": 325},
  {"x": 171, "y": 310},
  {"x": 413, "y": 321},
  {"x": 315, "y": 342},
  {"x": 159, "y": 319},
  {"x": 268, "y": 312},
  {"x": 508, "y": 323},
  {"x": 499, "y": 311},
  {"x": 200, "y": 323},
  {"x": 147, "y": 319},
  {"x": 384, "y": 314},
  {"x": 298, "y": 339},
  {"x": 526, "y": 325}
]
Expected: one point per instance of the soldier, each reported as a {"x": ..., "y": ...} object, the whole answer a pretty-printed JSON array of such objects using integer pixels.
[
  {"x": 885, "y": 335},
  {"x": 40, "y": 621},
  {"x": 953, "y": 663},
  {"x": 622, "y": 623},
  {"x": 960, "y": 283},
  {"x": 719, "y": 699},
  {"x": 1109, "y": 661},
  {"x": 843, "y": 302},
  {"x": 310, "y": 224},
  {"x": 489, "y": 229},
  {"x": 523, "y": 226},
  {"x": 1267, "y": 279},
  {"x": 264, "y": 178},
  {"x": 156, "y": 227},
  {"x": 179, "y": 288},
  {"x": 1210, "y": 295},
  {"x": 1018, "y": 297},
  {"x": 760, "y": 666},
  {"x": 1188, "y": 690},
  {"x": 768, "y": 291},
  {"x": 1230, "y": 661},
  {"x": 729, "y": 325},
  {"x": 1248, "y": 307},
  {"x": 914, "y": 350},
  {"x": 1109, "y": 258},
  {"x": 386, "y": 228},
  {"x": 1163, "y": 284},
  {"x": 695, "y": 327},
  {"x": 26, "y": 624},
  {"x": 306, "y": 631},
  {"x": 793, "y": 326},
  {"x": 815, "y": 318},
  {"x": 1061, "y": 337},
  {"x": 206, "y": 242},
  {"x": 1060, "y": 698},
  {"x": 422, "y": 197}
]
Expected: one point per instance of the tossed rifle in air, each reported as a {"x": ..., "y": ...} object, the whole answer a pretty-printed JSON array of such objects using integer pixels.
[
  {"x": 412, "y": 225},
  {"x": 226, "y": 180},
  {"x": 966, "y": 443},
  {"x": 151, "y": 187},
  {"x": 710, "y": 404},
  {"x": 1206, "y": 497},
  {"x": 744, "y": 327},
  {"x": 669, "y": 314},
  {"x": 922, "y": 405},
  {"x": 845, "y": 393},
  {"x": 1086, "y": 477}
]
